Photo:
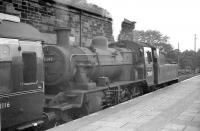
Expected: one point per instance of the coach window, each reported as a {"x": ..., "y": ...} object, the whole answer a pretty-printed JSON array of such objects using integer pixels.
[{"x": 29, "y": 67}]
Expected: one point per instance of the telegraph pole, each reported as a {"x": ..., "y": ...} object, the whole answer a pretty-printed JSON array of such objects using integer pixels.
[{"x": 195, "y": 39}]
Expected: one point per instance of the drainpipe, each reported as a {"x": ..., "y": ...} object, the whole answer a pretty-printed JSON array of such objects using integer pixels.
[{"x": 80, "y": 28}]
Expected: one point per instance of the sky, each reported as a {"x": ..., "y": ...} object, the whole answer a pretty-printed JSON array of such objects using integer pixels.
[{"x": 178, "y": 19}]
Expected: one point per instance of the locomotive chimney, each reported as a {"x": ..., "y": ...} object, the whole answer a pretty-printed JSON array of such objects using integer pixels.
[{"x": 63, "y": 36}]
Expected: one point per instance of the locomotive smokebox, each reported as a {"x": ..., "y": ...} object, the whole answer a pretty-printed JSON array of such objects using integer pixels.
[{"x": 63, "y": 36}]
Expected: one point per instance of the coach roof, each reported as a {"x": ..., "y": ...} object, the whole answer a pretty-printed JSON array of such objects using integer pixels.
[{"x": 20, "y": 31}]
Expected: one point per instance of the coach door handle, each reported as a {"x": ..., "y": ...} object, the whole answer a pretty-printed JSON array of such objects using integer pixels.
[{"x": 21, "y": 84}]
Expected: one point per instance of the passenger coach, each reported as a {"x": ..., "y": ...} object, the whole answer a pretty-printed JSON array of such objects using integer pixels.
[{"x": 21, "y": 73}]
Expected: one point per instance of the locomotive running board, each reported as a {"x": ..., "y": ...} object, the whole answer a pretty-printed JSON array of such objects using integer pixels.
[
  {"x": 80, "y": 95},
  {"x": 64, "y": 107}
]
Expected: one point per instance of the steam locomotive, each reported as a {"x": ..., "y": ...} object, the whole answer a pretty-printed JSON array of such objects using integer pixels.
[{"x": 43, "y": 84}]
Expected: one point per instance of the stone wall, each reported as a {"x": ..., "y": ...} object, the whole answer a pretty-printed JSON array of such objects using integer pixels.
[
  {"x": 127, "y": 28},
  {"x": 48, "y": 15}
]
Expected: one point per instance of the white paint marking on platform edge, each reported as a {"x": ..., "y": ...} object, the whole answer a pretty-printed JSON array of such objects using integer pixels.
[
  {"x": 124, "y": 102},
  {"x": 93, "y": 114}
]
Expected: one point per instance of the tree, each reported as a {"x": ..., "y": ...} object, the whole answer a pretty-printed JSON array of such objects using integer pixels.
[
  {"x": 188, "y": 59},
  {"x": 158, "y": 40},
  {"x": 150, "y": 36},
  {"x": 198, "y": 59}
]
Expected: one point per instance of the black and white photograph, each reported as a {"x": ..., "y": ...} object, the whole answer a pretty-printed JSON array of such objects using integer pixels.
[{"x": 99, "y": 65}]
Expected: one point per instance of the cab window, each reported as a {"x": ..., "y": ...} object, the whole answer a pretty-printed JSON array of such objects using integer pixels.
[
  {"x": 29, "y": 67},
  {"x": 149, "y": 57}
]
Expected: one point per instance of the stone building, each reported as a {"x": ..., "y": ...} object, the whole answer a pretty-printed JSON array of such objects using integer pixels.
[
  {"x": 127, "y": 28},
  {"x": 85, "y": 20}
]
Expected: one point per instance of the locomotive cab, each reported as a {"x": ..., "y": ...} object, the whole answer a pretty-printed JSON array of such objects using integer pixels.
[
  {"x": 149, "y": 64},
  {"x": 21, "y": 75}
]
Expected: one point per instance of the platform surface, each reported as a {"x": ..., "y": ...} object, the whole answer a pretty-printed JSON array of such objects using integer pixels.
[{"x": 173, "y": 108}]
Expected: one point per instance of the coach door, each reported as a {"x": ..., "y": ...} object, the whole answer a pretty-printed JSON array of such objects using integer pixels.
[
  {"x": 29, "y": 67},
  {"x": 31, "y": 101},
  {"x": 149, "y": 66},
  {"x": 31, "y": 52}
]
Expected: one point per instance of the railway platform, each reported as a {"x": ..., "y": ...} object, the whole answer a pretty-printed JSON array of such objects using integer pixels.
[{"x": 173, "y": 108}]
